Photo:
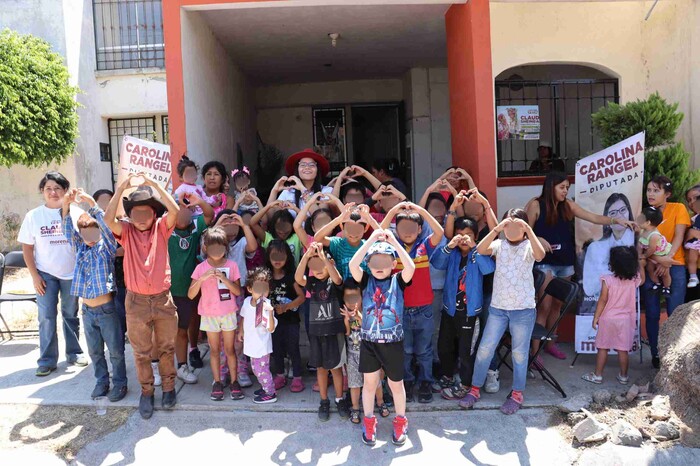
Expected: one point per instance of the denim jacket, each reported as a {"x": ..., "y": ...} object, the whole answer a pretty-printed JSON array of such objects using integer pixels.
[{"x": 477, "y": 266}]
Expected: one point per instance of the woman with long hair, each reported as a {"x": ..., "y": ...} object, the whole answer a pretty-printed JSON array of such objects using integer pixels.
[
  {"x": 306, "y": 171},
  {"x": 550, "y": 216}
]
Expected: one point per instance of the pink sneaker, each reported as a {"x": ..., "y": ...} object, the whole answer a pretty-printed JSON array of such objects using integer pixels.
[
  {"x": 280, "y": 382},
  {"x": 297, "y": 385},
  {"x": 555, "y": 351}
]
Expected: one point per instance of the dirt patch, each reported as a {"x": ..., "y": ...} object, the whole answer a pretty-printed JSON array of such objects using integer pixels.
[
  {"x": 60, "y": 430},
  {"x": 19, "y": 316}
]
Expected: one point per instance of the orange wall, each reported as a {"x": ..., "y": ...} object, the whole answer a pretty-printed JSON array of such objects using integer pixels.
[{"x": 471, "y": 92}]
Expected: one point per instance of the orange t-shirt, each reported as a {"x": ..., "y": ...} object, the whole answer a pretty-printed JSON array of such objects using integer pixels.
[{"x": 674, "y": 214}]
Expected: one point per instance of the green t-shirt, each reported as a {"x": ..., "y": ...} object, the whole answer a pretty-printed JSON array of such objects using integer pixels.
[
  {"x": 183, "y": 246},
  {"x": 292, "y": 241}
]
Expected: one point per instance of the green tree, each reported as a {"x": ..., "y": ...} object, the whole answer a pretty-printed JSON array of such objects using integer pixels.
[
  {"x": 38, "y": 110},
  {"x": 660, "y": 120}
]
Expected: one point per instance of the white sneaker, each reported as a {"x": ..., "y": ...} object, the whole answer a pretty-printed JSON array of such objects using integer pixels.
[
  {"x": 156, "y": 374},
  {"x": 493, "y": 385},
  {"x": 244, "y": 380},
  {"x": 184, "y": 374},
  {"x": 693, "y": 282}
]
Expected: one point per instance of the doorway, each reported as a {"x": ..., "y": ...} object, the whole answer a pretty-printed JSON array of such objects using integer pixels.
[{"x": 376, "y": 131}]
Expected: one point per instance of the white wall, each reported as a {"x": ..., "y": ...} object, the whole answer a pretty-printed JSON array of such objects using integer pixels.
[{"x": 218, "y": 100}]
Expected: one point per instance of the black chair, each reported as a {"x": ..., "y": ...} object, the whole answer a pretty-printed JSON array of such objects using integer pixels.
[
  {"x": 567, "y": 292},
  {"x": 13, "y": 260}
]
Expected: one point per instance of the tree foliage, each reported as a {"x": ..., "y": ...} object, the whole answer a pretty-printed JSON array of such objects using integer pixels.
[
  {"x": 660, "y": 120},
  {"x": 38, "y": 110}
]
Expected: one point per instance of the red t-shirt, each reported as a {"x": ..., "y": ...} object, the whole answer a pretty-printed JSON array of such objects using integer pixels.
[{"x": 420, "y": 291}]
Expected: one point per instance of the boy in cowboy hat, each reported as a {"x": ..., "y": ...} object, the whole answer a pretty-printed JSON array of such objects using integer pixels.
[{"x": 149, "y": 305}]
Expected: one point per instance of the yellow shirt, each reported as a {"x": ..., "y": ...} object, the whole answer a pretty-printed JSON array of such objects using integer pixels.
[{"x": 674, "y": 214}]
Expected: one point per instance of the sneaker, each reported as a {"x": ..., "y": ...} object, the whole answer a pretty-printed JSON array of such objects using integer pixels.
[
  {"x": 99, "y": 390},
  {"x": 666, "y": 291},
  {"x": 493, "y": 384},
  {"x": 146, "y": 406},
  {"x": 297, "y": 385},
  {"x": 324, "y": 410},
  {"x": 511, "y": 405},
  {"x": 554, "y": 350},
  {"x": 236, "y": 391},
  {"x": 398, "y": 436},
  {"x": 310, "y": 368},
  {"x": 79, "y": 360},
  {"x": 343, "y": 410},
  {"x": 157, "y": 381},
  {"x": 265, "y": 398},
  {"x": 693, "y": 282},
  {"x": 455, "y": 392},
  {"x": 244, "y": 380},
  {"x": 217, "y": 391},
  {"x": 259, "y": 391},
  {"x": 117, "y": 394},
  {"x": 169, "y": 399},
  {"x": 369, "y": 431},
  {"x": 425, "y": 393},
  {"x": 43, "y": 371},
  {"x": 408, "y": 387},
  {"x": 196, "y": 359},
  {"x": 280, "y": 382},
  {"x": 443, "y": 383},
  {"x": 623, "y": 379},
  {"x": 470, "y": 400},
  {"x": 184, "y": 374}
]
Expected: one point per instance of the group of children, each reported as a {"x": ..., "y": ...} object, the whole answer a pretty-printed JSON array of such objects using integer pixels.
[{"x": 381, "y": 283}]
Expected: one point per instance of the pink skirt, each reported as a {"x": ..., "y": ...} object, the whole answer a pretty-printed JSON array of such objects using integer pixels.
[
  {"x": 694, "y": 245},
  {"x": 615, "y": 332}
]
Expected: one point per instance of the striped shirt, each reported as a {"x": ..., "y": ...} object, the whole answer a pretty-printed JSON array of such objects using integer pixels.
[
  {"x": 94, "y": 266},
  {"x": 342, "y": 252},
  {"x": 420, "y": 292}
]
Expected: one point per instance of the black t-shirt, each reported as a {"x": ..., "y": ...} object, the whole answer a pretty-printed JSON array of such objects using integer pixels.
[
  {"x": 488, "y": 279},
  {"x": 461, "y": 305},
  {"x": 282, "y": 292},
  {"x": 324, "y": 307}
]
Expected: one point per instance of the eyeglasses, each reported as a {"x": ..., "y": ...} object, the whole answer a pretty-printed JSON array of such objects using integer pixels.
[
  {"x": 621, "y": 212},
  {"x": 307, "y": 164}
]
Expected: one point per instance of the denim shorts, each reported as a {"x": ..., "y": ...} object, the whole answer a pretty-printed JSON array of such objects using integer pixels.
[{"x": 561, "y": 271}]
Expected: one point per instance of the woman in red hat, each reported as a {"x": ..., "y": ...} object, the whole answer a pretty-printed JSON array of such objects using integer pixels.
[{"x": 305, "y": 170}]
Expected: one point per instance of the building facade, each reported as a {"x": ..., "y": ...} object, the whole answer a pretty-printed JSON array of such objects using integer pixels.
[{"x": 362, "y": 80}]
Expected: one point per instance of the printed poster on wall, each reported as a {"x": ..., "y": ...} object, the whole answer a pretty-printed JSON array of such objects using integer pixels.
[
  {"x": 138, "y": 155},
  {"x": 609, "y": 183},
  {"x": 518, "y": 122}
]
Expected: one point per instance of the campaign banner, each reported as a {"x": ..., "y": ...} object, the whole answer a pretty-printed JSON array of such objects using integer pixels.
[
  {"x": 139, "y": 155},
  {"x": 609, "y": 183},
  {"x": 518, "y": 122}
]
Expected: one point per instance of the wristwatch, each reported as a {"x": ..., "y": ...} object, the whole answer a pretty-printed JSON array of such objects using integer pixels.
[{"x": 452, "y": 212}]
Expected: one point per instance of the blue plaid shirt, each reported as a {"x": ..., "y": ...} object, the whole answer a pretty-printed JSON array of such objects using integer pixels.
[{"x": 94, "y": 266}]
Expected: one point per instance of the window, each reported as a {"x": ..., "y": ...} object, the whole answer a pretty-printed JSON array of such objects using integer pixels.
[
  {"x": 142, "y": 128},
  {"x": 129, "y": 34},
  {"x": 166, "y": 129},
  {"x": 565, "y": 109},
  {"x": 329, "y": 137}
]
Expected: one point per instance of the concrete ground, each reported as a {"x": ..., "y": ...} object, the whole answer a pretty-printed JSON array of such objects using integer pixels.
[{"x": 288, "y": 432}]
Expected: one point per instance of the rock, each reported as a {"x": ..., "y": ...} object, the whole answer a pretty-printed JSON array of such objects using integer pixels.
[
  {"x": 590, "y": 430},
  {"x": 665, "y": 431},
  {"x": 660, "y": 408},
  {"x": 624, "y": 433},
  {"x": 643, "y": 388},
  {"x": 602, "y": 396},
  {"x": 576, "y": 403},
  {"x": 574, "y": 418},
  {"x": 620, "y": 399},
  {"x": 632, "y": 393}
]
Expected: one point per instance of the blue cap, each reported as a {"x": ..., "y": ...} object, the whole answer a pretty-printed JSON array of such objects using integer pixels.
[{"x": 380, "y": 247}]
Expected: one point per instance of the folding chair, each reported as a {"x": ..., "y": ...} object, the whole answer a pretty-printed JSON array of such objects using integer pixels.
[
  {"x": 14, "y": 260},
  {"x": 567, "y": 292}
]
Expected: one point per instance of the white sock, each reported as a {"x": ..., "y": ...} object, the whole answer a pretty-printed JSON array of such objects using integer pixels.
[
  {"x": 694, "y": 275},
  {"x": 338, "y": 399}
]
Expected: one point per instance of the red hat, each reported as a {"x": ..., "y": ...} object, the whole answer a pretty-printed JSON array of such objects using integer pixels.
[{"x": 291, "y": 164}]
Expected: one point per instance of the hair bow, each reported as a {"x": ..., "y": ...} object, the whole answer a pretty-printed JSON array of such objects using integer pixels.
[{"x": 243, "y": 170}]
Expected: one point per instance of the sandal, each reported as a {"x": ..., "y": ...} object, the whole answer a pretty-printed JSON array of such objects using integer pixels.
[
  {"x": 624, "y": 380},
  {"x": 456, "y": 392},
  {"x": 355, "y": 416},
  {"x": 383, "y": 410},
  {"x": 591, "y": 377}
]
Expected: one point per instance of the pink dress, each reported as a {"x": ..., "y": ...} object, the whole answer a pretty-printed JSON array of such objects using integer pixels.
[{"x": 617, "y": 322}]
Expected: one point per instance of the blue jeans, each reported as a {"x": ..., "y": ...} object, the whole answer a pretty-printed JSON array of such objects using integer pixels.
[
  {"x": 484, "y": 318},
  {"x": 520, "y": 324},
  {"x": 653, "y": 304},
  {"x": 103, "y": 326},
  {"x": 417, "y": 341},
  {"x": 120, "y": 303},
  {"x": 48, "y": 312}
]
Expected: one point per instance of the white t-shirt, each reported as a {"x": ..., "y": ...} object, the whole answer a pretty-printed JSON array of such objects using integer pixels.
[
  {"x": 257, "y": 341},
  {"x": 237, "y": 254},
  {"x": 513, "y": 283},
  {"x": 42, "y": 227},
  {"x": 288, "y": 196}
]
